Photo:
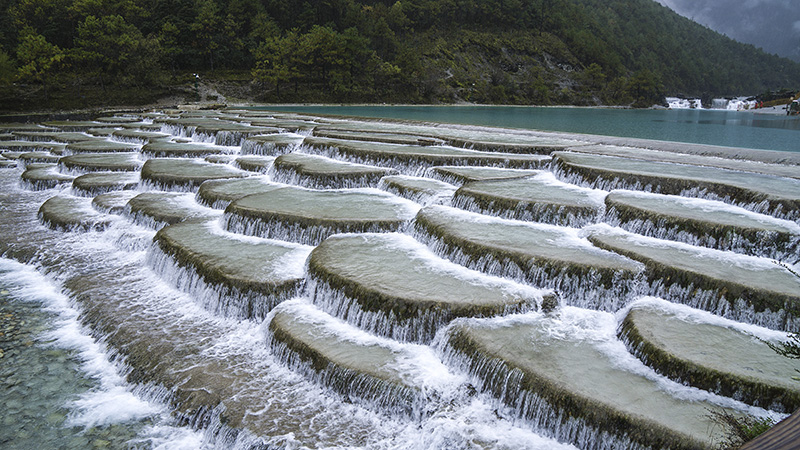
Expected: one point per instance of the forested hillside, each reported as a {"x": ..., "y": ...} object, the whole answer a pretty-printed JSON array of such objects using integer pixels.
[{"x": 486, "y": 51}]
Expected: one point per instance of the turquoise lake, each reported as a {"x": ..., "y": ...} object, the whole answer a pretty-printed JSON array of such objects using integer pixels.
[{"x": 714, "y": 127}]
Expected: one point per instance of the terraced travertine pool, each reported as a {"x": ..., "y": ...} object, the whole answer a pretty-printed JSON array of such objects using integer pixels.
[{"x": 278, "y": 280}]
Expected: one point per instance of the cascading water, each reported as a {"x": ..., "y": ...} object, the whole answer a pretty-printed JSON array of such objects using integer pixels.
[{"x": 374, "y": 341}]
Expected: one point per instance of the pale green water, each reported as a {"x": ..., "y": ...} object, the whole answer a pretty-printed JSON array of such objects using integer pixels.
[{"x": 726, "y": 128}]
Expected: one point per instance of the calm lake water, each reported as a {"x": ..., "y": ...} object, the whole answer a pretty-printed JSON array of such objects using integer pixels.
[{"x": 714, "y": 127}]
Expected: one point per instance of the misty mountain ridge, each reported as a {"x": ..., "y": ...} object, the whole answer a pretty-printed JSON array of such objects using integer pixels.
[{"x": 773, "y": 25}]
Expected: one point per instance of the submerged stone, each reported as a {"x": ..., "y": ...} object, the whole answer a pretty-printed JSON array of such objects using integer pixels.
[
  {"x": 780, "y": 170},
  {"x": 378, "y": 373},
  {"x": 230, "y": 134},
  {"x": 96, "y": 183},
  {"x": 417, "y": 189},
  {"x": 376, "y": 136},
  {"x": 11, "y": 155},
  {"x": 480, "y": 138},
  {"x": 221, "y": 159},
  {"x": 461, "y": 175},
  {"x": 172, "y": 149},
  {"x": 101, "y": 146},
  {"x": 569, "y": 386},
  {"x": 186, "y": 125},
  {"x": 10, "y": 127},
  {"x": 220, "y": 193},
  {"x": 29, "y": 146},
  {"x": 541, "y": 198},
  {"x": 37, "y": 157},
  {"x": 542, "y": 255},
  {"x": 271, "y": 144},
  {"x": 44, "y": 176},
  {"x": 55, "y": 136},
  {"x": 281, "y": 124},
  {"x": 113, "y": 202},
  {"x": 310, "y": 216},
  {"x": 156, "y": 209},
  {"x": 138, "y": 136},
  {"x": 410, "y": 158},
  {"x": 779, "y": 197},
  {"x": 73, "y": 125},
  {"x": 97, "y": 162},
  {"x": 319, "y": 172},
  {"x": 142, "y": 126},
  {"x": 101, "y": 132},
  {"x": 68, "y": 213},
  {"x": 230, "y": 274},
  {"x": 744, "y": 288},
  {"x": 706, "y": 223},
  {"x": 718, "y": 356},
  {"x": 255, "y": 163},
  {"x": 7, "y": 163},
  {"x": 118, "y": 119},
  {"x": 391, "y": 285},
  {"x": 186, "y": 174}
]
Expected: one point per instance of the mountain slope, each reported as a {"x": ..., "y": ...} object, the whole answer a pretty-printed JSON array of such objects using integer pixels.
[{"x": 411, "y": 51}]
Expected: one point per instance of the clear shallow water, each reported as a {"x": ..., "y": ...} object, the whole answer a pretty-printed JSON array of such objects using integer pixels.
[
  {"x": 58, "y": 387},
  {"x": 726, "y": 128}
]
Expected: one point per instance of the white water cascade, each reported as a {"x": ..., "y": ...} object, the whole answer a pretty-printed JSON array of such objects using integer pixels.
[{"x": 223, "y": 308}]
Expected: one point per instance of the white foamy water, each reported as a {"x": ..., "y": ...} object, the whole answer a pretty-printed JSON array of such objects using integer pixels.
[
  {"x": 289, "y": 408},
  {"x": 599, "y": 329},
  {"x": 111, "y": 400},
  {"x": 423, "y": 254},
  {"x": 689, "y": 314}
]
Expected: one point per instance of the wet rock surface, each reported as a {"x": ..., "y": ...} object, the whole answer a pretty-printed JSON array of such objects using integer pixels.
[
  {"x": 731, "y": 360},
  {"x": 540, "y": 198},
  {"x": 310, "y": 216},
  {"x": 317, "y": 172}
]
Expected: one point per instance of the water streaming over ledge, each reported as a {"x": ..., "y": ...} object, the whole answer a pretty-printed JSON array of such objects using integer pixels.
[{"x": 184, "y": 334}]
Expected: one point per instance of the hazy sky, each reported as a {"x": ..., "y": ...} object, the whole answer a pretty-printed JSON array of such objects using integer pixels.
[{"x": 773, "y": 25}]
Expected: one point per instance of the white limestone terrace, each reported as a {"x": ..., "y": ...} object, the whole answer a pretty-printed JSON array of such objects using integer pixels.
[
  {"x": 704, "y": 222},
  {"x": 268, "y": 327},
  {"x": 184, "y": 174},
  {"x": 391, "y": 285},
  {"x": 418, "y": 189},
  {"x": 220, "y": 193},
  {"x": 96, "y": 183},
  {"x": 479, "y": 138},
  {"x": 231, "y": 274},
  {"x": 745, "y": 165},
  {"x": 776, "y": 196},
  {"x": 68, "y": 213},
  {"x": 410, "y": 159},
  {"x": 310, "y": 216},
  {"x": 319, "y": 172},
  {"x": 540, "y": 198},
  {"x": 272, "y": 144},
  {"x": 100, "y": 162},
  {"x": 539, "y": 254},
  {"x": 744, "y": 288},
  {"x": 664, "y": 336},
  {"x": 157, "y": 209},
  {"x": 464, "y": 174},
  {"x": 571, "y": 376}
]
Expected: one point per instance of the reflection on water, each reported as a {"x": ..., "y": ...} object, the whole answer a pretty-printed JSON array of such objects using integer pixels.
[
  {"x": 746, "y": 120},
  {"x": 743, "y": 129}
]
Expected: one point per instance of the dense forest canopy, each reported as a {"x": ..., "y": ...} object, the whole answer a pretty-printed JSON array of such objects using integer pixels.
[{"x": 486, "y": 51}]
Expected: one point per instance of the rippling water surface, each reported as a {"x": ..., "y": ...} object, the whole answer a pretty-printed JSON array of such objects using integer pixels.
[{"x": 713, "y": 127}]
